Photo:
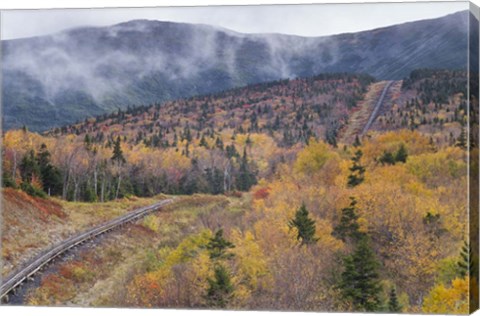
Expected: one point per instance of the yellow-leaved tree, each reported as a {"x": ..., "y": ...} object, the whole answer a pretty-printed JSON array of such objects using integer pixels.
[{"x": 448, "y": 300}]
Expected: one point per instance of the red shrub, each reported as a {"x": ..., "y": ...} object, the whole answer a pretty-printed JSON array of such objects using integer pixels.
[{"x": 261, "y": 193}]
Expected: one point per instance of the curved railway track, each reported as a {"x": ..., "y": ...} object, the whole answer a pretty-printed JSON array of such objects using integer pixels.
[{"x": 16, "y": 278}]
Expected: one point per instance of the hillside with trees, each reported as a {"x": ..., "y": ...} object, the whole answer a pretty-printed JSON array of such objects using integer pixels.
[{"x": 273, "y": 211}]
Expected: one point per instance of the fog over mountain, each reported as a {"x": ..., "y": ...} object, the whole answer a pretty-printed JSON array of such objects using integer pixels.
[{"x": 53, "y": 80}]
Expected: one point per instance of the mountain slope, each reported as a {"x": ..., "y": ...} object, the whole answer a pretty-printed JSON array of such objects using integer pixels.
[{"x": 54, "y": 80}]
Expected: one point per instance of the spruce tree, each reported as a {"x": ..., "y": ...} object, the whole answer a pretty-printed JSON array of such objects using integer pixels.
[
  {"x": 87, "y": 141},
  {"x": 466, "y": 265},
  {"x": 401, "y": 155},
  {"x": 214, "y": 177},
  {"x": 7, "y": 181},
  {"x": 117, "y": 152},
  {"x": 357, "y": 170},
  {"x": 29, "y": 167},
  {"x": 393, "y": 304},
  {"x": 348, "y": 226},
  {"x": 219, "y": 143},
  {"x": 203, "y": 142},
  {"x": 305, "y": 226},
  {"x": 218, "y": 246},
  {"x": 49, "y": 174},
  {"x": 220, "y": 288},
  {"x": 246, "y": 178},
  {"x": 357, "y": 142},
  {"x": 387, "y": 158},
  {"x": 360, "y": 284},
  {"x": 462, "y": 139}
]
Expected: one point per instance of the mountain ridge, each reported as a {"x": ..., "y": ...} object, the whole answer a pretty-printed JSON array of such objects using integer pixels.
[{"x": 57, "y": 79}]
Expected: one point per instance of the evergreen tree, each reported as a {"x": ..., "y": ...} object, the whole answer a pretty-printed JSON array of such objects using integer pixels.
[
  {"x": 7, "y": 181},
  {"x": 203, "y": 142},
  {"x": 29, "y": 167},
  {"x": 231, "y": 151},
  {"x": 401, "y": 155},
  {"x": 360, "y": 284},
  {"x": 49, "y": 174},
  {"x": 117, "y": 152},
  {"x": 393, "y": 304},
  {"x": 220, "y": 288},
  {"x": 348, "y": 226},
  {"x": 194, "y": 181},
  {"x": 246, "y": 178},
  {"x": 462, "y": 139},
  {"x": 248, "y": 142},
  {"x": 214, "y": 178},
  {"x": 387, "y": 158},
  {"x": 357, "y": 170},
  {"x": 305, "y": 226},
  {"x": 187, "y": 134},
  {"x": 87, "y": 141},
  {"x": 331, "y": 137},
  {"x": 175, "y": 140},
  {"x": 218, "y": 247},
  {"x": 219, "y": 143},
  {"x": 357, "y": 142},
  {"x": 466, "y": 265}
]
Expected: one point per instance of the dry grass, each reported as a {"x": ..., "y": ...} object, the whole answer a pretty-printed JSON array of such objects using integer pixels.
[{"x": 31, "y": 225}]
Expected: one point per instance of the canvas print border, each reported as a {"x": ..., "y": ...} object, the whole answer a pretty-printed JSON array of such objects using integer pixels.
[{"x": 207, "y": 202}]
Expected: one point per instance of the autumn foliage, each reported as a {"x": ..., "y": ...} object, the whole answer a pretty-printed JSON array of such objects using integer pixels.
[{"x": 310, "y": 208}]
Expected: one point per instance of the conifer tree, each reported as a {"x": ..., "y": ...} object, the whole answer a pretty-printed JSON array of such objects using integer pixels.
[
  {"x": 50, "y": 175},
  {"x": 219, "y": 143},
  {"x": 246, "y": 178},
  {"x": 466, "y": 264},
  {"x": 214, "y": 177},
  {"x": 462, "y": 139},
  {"x": 220, "y": 288},
  {"x": 401, "y": 155},
  {"x": 305, "y": 226},
  {"x": 175, "y": 140},
  {"x": 118, "y": 160},
  {"x": 387, "y": 158},
  {"x": 348, "y": 226},
  {"x": 203, "y": 142},
  {"x": 29, "y": 167},
  {"x": 360, "y": 284},
  {"x": 357, "y": 170},
  {"x": 393, "y": 304},
  {"x": 117, "y": 152},
  {"x": 218, "y": 246},
  {"x": 357, "y": 142},
  {"x": 87, "y": 141}
]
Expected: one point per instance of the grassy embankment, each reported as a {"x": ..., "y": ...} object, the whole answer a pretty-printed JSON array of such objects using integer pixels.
[{"x": 31, "y": 225}]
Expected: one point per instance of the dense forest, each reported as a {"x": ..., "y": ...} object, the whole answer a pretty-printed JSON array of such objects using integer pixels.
[{"x": 267, "y": 185}]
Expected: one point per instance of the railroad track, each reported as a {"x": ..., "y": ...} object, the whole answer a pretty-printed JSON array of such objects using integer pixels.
[
  {"x": 378, "y": 105},
  {"x": 16, "y": 278}
]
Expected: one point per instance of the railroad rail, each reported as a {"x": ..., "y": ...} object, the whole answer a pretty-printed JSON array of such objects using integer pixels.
[
  {"x": 13, "y": 280},
  {"x": 377, "y": 107}
]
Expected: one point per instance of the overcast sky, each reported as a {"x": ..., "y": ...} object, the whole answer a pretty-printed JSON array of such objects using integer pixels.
[{"x": 305, "y": 20}]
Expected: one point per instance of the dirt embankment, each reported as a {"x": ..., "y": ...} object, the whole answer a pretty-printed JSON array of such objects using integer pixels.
[{"x": 29, "y": 224}]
